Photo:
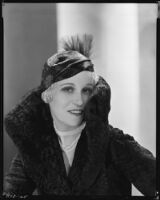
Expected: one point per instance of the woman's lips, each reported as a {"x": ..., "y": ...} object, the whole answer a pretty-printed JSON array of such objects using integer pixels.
[{"x": 76, "y": 112}]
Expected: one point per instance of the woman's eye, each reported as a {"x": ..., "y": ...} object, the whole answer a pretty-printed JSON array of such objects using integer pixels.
[
  {"x": 68, "y": 89},
  {"x": 88, "y": 91}
]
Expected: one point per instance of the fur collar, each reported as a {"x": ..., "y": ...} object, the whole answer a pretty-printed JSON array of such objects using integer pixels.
[{"x": 31, "y": 128}]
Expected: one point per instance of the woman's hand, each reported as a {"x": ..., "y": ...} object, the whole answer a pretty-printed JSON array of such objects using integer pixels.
[{"x": 98, "y": 106}]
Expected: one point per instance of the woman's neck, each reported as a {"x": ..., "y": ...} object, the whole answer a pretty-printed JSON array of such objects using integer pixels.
[{"x": 68, "y": 137}]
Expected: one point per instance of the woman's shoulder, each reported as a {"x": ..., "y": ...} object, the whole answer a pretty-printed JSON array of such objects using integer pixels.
[
  {"x": 26, "y": 106},
  {"x": 26, "y": 114}
]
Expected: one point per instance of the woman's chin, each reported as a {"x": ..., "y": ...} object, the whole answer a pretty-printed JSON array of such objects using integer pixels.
[{"x": 73, "y": 125}]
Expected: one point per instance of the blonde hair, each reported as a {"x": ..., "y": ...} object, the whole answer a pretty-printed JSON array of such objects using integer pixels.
[{"x": 47, "y": 95}]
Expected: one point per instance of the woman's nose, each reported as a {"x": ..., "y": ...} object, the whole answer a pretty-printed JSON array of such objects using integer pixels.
[{"x": 78, "y": 99}]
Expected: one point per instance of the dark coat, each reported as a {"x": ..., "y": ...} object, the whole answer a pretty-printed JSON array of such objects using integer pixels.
[{"x": 106, "y": 160}]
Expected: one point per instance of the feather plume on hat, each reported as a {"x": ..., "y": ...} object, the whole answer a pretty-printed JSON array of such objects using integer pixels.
[
  {"x": 82, "y": 44},
  {"x": 72, "y": 59}
]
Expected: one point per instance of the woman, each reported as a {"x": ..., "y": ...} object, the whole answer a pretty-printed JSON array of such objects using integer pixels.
[{"x": 65, "y": 143}]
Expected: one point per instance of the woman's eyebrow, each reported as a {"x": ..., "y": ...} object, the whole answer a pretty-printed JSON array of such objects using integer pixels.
[
  {"x": 90, "y": 84},
  {"x": 72, "y": 84},
  {"x": 67, "y": 84}
]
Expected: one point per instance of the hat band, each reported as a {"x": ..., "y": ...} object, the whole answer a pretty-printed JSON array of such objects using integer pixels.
[
  {"x": 52, "y": 75},
  {"x": 70, "y": 70}
]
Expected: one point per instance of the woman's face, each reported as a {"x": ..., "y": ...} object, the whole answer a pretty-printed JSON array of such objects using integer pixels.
[{"x": 69, "y": 98}]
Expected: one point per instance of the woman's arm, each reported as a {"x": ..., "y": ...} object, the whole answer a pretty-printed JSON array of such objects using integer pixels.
[
  {"x": 136, "y": 162},
  {"x": 16, "y": 183}
]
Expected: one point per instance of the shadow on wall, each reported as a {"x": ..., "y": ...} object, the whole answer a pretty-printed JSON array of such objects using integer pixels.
[
  {"x": 30, "y": 37},
  {"x": 147, "y": 74}
]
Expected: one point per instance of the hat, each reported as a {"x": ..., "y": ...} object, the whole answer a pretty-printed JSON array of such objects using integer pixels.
[{"x": 73, "y": 59}]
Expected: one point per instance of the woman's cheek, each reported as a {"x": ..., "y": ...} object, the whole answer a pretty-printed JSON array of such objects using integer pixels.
[
  {"x": 63, "y": 100},
  {"x": 86, "y": 98}
]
